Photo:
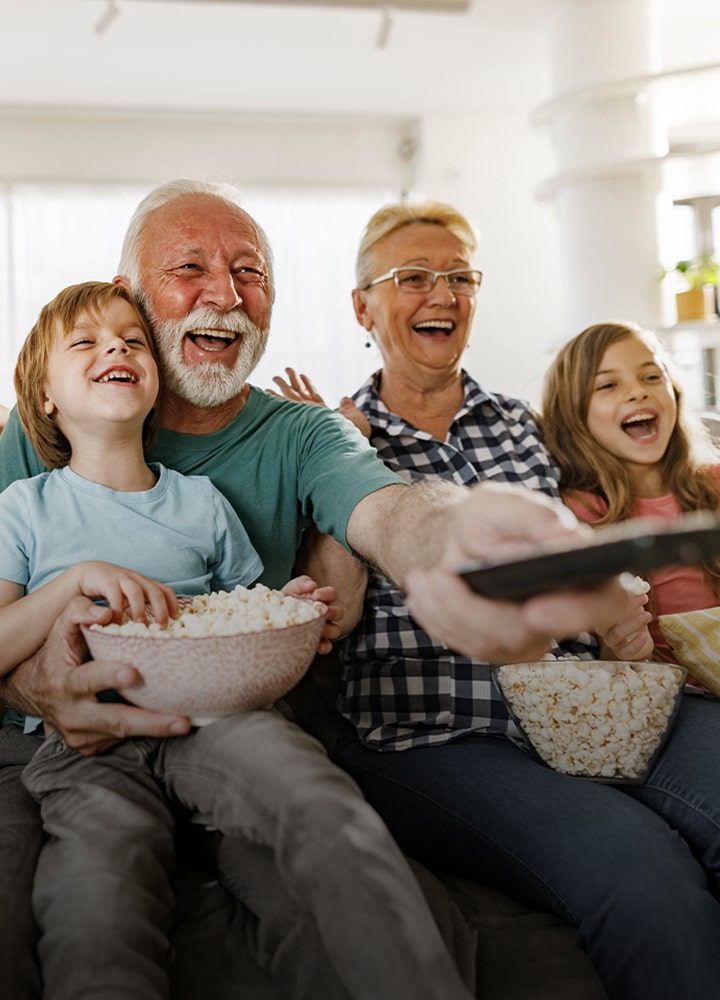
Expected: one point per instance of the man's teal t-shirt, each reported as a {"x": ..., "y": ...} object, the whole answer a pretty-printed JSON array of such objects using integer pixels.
[{"x": 281, "y": 465}]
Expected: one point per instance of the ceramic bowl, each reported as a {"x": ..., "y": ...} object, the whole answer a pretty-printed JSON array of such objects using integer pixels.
[
  {"x": 207, "y": 677},
  {"x": 600, "y": 719}
]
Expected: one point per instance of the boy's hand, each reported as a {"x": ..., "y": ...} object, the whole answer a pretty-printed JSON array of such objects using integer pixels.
[
  {"x": 126, "y": 592},
  {"x": 305, "y": 588}
]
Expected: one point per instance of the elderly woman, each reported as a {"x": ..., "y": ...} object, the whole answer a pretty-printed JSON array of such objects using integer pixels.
[{"x": 431, "y": 744}]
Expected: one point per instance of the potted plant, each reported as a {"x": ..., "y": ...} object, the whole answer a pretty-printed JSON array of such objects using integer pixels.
[{"x": 697, "y": 301}]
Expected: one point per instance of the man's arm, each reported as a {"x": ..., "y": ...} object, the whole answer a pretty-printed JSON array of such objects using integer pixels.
[
  {"x": 419, "y": 535},
  {"x": 60, "y": 687},
  {"x": 330, "y": 564}
]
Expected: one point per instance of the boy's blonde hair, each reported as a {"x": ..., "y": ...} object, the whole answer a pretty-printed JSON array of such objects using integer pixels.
[
  {"x": 58, "y": 317},
  {"x": 393, "y": 217},
  {"x": 584, "y": 464}
]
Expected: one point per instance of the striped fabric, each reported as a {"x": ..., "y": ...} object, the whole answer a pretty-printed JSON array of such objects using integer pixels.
[{"x": 694, "y": 638}]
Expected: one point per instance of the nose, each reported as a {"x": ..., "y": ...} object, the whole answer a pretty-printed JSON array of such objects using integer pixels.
[
  {"x": 442, "y": 291},
  {"x": 637, "y": 390},
  {"x": 117, "y": 345},
  {"x": 219, "y": 290}
]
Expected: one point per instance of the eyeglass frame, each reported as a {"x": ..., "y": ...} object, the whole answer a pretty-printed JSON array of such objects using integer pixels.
[{"x": 393, "y": 273}]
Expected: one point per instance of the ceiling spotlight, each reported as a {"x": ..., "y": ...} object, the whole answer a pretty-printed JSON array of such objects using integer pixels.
[
  {"x": 111, "y": 12},
  {"x": 386, "y": 24}
]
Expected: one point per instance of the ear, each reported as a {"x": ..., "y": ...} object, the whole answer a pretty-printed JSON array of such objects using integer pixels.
[
  {"x": 362, "y": 312},
  {"x": 48, "y": 405},
  {"x": 120, "y": 279}
]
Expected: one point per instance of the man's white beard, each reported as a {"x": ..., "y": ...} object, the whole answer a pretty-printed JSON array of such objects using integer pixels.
[{"x": 210, "y": 383}]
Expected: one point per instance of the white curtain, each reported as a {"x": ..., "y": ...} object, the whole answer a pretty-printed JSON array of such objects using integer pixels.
[{"x": 52, "y": 235}]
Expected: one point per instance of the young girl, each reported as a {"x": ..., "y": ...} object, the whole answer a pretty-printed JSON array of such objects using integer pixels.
[{"x": 628, "y": 446}]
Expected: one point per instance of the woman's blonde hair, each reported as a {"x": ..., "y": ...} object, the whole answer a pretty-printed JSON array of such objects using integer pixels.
[
  {"x": 58, "y": 317},
  {"x": 393, "y": 217},
  {"x": 585, "y": 464}
]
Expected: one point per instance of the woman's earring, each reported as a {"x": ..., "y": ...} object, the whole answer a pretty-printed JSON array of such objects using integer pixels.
[{"x": 367, "y": 340}]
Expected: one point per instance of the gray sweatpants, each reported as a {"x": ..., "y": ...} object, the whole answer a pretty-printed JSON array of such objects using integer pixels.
[{"x": 301, "y": 844}]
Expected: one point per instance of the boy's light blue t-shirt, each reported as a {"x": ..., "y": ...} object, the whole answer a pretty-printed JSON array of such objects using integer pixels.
[{"x": 182, "y": 532}]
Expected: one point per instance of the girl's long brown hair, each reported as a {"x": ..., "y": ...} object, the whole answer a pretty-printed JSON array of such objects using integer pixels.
[{"x": 588, "y": 467}]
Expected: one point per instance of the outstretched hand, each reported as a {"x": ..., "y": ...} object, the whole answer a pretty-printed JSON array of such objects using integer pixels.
[{"x": 494, "y": 520}]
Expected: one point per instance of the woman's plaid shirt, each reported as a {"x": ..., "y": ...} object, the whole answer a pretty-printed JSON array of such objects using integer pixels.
[{"x": 401, "y": 689}]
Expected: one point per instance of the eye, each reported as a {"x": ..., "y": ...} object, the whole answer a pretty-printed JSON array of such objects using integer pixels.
[
  {"x": 249, "y": 275},
  {"x": 412, "y": 277},
  {"x": 461, "y": 278},
  {"x": 604, "y": 385}
]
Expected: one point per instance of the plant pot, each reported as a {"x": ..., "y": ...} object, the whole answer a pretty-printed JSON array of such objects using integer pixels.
[{"x": 695, "y": 304}]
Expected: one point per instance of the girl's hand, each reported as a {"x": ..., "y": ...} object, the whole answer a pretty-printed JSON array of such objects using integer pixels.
[
  {"x": 126, "y": 592},
  {"x": 630, "y": 639},
  {"x": 305, "y": 588}
]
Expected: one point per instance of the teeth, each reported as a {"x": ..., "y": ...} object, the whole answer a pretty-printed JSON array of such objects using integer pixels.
[
  {"x": 640, "y": 418},
  {"x": 434, "y": 324},
  {"x": 227, "y": 335},
  {"x": 117, "y": 377}
]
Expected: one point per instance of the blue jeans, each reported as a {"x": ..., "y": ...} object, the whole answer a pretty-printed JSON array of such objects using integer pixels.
[{"x": 634, "y": 868}]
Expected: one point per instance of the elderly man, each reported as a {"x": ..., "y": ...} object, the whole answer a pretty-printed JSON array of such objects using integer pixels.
[{"x": 201, "y": 269}]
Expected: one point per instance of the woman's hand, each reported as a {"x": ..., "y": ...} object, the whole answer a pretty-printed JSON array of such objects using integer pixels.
[{"x": 299, "y": 389}]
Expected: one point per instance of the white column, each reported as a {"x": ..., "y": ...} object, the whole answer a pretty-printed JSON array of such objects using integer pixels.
[{"x": 607, "y": 137}]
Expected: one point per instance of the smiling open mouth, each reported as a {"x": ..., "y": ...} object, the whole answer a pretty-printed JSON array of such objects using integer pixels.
[
  {"x": 640, "y": 426},
  {"x": 442, "y": 327},
  {"x": 117, "y": 377},
  {"x": 212, "y": 340}
]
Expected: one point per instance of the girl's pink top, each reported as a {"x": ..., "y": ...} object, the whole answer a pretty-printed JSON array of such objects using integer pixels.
[{"x": 675, "y": 588}]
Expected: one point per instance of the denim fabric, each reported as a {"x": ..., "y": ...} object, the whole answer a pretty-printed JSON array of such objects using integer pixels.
[
  {"x": 21, "y": 838},
  {"x": 633, "y": 868},
  {"x": 340, "y": 913}
]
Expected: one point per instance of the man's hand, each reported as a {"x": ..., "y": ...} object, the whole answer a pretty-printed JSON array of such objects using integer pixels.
[
  {"x": 495, "y": 520},
  {"x": 58, "y": 685}
]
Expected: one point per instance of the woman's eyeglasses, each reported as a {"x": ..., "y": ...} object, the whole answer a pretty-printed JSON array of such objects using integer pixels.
[{"x": 422, "y": 280}]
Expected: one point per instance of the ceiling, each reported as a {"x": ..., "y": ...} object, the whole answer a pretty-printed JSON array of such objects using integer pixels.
[
  {"x": 340, "y": 57},
  {"x": 229, "y": 55}
]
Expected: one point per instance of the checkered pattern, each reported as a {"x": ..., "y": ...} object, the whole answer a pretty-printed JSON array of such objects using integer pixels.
[{"x": 402, "y": 689}]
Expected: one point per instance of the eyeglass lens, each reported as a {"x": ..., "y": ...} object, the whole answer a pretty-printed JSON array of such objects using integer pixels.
[{"x": 415, "y": 279}]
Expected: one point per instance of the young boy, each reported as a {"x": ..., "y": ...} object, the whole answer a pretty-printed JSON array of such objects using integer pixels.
[{"x": 87, "y": 384}]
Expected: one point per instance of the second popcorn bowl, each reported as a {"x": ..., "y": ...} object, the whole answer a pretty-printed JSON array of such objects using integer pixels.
[{"x": 601, "y": 719}]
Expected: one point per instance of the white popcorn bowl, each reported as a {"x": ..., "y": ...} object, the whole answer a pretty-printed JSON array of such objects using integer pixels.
[
  {"x": 210, "y": 676},
  {"x": 575, "y": 731}
]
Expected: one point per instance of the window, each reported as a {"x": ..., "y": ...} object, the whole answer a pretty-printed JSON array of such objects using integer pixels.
[{"x": 57, "y": 234}]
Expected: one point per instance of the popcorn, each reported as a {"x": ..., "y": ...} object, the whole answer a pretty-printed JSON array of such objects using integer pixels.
[
  {"x": 220, "y": 613},
  {"x": 599, "y": 720}
]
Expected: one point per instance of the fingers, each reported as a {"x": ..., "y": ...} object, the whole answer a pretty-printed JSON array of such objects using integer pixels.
[
  {"x": 490, "y": 631},
  {"x": 299, "y": 388}
]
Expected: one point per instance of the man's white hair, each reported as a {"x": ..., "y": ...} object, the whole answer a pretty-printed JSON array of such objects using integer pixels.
[{"x": 129, "y": 265}]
